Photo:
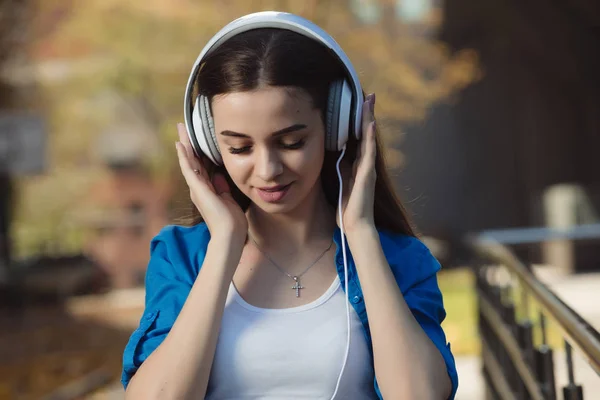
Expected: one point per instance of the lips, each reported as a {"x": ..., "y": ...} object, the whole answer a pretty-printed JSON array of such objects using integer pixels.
[
  {"x": 273, "y": 194},
  {"x": 273, "y": 188}
]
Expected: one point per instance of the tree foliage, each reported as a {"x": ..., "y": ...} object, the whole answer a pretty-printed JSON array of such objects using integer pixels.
[{"x": 108, "y": 65}]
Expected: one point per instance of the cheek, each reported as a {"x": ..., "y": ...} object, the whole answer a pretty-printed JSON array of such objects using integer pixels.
[
  {"x": 309, "y": 161},
  {"x": 239, "y": 168}
]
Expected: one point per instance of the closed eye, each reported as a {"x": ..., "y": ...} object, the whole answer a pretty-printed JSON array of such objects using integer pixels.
[
  {"x": 239, "y": 150},
  {"x": 287, "y": 146},
  {"x": 295, "y": 145}
]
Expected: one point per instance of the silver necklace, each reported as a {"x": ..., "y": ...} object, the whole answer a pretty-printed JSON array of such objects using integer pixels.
[{"x": 297, "y": 286}]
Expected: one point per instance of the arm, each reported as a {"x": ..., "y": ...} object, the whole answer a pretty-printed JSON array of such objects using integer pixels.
[
  {"x": 408, "y": 364},
  {"x": 180, "y": 366}
]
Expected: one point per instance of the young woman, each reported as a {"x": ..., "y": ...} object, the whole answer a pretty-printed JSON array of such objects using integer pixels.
[{"x": 249, "y": 301}]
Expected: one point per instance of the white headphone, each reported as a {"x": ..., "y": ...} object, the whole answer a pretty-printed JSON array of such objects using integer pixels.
[
  {"x": 343, "y": 114},
  {"x": 344, "y": 106}
]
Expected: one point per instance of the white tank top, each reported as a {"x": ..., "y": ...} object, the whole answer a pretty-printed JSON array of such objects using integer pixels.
[{"x": 292, "y": 353}]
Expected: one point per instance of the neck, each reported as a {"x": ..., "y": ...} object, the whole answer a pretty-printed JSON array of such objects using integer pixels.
[{"x": 311, "y": 222}]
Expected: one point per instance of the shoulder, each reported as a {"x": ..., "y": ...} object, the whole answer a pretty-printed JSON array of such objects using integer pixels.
[
  {"x": 178, "y": 251},
  {"x": 406, "y": 249},
  {"x": 177, "y": 235},
  {"x": 410, "y": 259}
]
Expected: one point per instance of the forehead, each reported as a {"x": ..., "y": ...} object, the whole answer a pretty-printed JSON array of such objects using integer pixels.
[{"x": 262, "y": 110}]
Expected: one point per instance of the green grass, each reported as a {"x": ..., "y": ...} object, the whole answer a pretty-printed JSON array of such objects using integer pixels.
[
  {"x": 457, "y": 286},
  {"x": 460, "y": 301}
]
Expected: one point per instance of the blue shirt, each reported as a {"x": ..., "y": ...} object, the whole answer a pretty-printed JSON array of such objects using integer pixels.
[{"x": 177, "y": 253}]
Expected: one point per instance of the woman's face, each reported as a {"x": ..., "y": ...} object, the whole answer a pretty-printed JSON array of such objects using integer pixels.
[{"x": 272, "y": 143}]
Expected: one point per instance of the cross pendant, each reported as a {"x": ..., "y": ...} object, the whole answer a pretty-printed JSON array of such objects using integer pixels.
[{"x": 297, "y": 286}]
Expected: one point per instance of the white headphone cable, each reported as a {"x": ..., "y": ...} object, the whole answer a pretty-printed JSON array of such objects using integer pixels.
[{"x": 340, "y": 214}]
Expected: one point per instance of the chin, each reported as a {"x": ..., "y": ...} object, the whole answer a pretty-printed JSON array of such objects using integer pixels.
[
  {"x": 274, "y": 208},
  {"x": 283, "y": 207}
]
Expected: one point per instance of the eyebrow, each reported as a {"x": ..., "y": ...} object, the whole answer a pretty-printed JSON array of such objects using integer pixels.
[{"x": 289, "y": 129}]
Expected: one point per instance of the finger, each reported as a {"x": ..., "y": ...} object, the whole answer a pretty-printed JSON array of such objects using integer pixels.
[
  {"x": 193, "y": 176},
  {"x": 370, "y": 146},
  {"x": 183, "y": 136},
  {"x": 184, "y": 164},
  {"x": 367, "y": 118},
  {"x": 366, "y": 168},
  {"x": 185, "y": 140},
  {"x": 368, "y": 112},
  {"x": 194, "y": 162}
]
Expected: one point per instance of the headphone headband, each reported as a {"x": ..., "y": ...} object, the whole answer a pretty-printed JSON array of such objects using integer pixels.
[{"x": 279, "y": 20}]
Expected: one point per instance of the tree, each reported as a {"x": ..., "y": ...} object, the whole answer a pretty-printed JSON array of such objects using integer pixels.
[{"x": 139, "y": 54}]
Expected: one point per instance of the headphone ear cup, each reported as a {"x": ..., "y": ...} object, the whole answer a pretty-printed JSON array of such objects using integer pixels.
[
  {"x": 208, "y": 119},
  {"x": 331, "y": 117},
  {"x": 196, "y": 133},
  {"x": 205, "y": 131},
  {"x": 338, "y": 115}
]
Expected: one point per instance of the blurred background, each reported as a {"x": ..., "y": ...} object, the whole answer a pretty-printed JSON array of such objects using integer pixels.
[{"x": 489, "y": 111}]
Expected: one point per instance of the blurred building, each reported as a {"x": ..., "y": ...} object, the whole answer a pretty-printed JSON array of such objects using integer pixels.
[
  {"x": 125, "y": 208},
  {"x": 489, "y": 159}
]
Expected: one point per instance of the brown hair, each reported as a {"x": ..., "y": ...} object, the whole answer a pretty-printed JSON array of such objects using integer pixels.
[{"x": 277, "y": 57}]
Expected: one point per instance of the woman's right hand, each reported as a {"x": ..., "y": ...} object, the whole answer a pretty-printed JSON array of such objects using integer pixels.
[{"x": 213, "y": 199}]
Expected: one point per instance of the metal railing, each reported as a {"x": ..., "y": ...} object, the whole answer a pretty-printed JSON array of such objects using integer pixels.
[{"x": 518, "y": 359}]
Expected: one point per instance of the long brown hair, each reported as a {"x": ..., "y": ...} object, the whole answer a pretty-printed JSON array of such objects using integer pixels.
[{"x": 277, "y": 57}]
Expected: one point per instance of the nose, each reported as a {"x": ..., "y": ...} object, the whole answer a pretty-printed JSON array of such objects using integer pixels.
[{"x": 268, "y": 164}]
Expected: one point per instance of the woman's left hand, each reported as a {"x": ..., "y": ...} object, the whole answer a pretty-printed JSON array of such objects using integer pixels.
[{"x": 359, "y": 185}]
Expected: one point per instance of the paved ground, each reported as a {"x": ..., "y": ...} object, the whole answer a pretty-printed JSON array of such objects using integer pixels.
[
  {"x": 470, "y": 382},
  {"x": 580, "y": 292}
]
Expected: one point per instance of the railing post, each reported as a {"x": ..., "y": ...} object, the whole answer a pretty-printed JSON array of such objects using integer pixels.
[
  {"x": 544, "y": 364},
  {"x": 525, "y": 341},
  {"x": 513, "y": 366},
  {"x": 571, "y": 391},
  {"x": 525, "y": 336}
]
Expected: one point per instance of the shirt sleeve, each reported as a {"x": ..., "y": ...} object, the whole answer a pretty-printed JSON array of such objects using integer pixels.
[
  {"x": 424, "y": 299},
  {"x": 167, "y": 289}
]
